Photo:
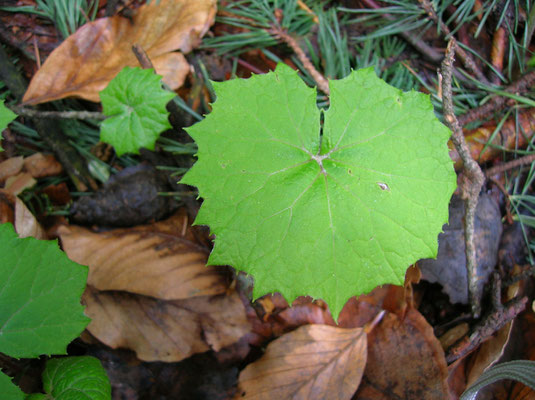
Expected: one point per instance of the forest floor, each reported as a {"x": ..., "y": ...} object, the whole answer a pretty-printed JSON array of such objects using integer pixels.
[{"x": 165, "y": 326}]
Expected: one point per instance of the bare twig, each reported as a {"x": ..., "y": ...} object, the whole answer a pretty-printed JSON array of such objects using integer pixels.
[
  {"x": 142, "y": 57},
  {"x": 497, "y": 103},
  {"x": 281, "y": 34},
  {"x": 494, "y": 322},
  {"x": 510, "y": 165},
  {"x": 466, "y": 58},
  {"x": 81, "y": 115},
  {"x": 473, "y": 177}
]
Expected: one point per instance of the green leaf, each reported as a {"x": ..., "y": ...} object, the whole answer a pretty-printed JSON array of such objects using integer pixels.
[
  {"x": 6, "y": 116},
  {"x": 332, "y": 223},
  {"x": 76, "y": 378},
  {"x": 40, "y": 290},
  {"x": 9, "y": 390},
  {"x": 135, "y": 102}
]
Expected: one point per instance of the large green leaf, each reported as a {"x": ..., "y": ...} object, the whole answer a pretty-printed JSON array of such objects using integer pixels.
[
  {"x": 75, "y": 378},
  {"x": 6, "y": 116},
  {"x": 135, "y": 103},
  {"x": 9, "y": 390},
  {"x": 331, "y": 214},
  {"x": 40, "y": 290}
]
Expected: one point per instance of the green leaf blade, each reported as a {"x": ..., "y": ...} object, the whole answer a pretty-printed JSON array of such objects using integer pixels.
[
  {"x": 6, "y": 116},
  {"x": 76, "y": 378},
  {"x": 135, "y": 103},
  {"x": 332, "y": 223},
  {"x": 40, "y": 310},
  {"x": 9, "y": 390}
]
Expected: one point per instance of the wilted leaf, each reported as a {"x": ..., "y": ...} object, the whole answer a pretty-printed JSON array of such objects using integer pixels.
[
  {"x": 89, "y": 59},
  {"x": 26, "y": 224},
  {"x": 135, "y": 103},
  {"x": 312, "y": 362},
  {"x": 163, "y": 260},
  {"x": 405, "y": 361},
  {"x": 160, "y": 330}
]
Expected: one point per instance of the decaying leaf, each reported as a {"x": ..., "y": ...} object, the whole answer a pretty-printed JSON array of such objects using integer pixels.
[
  {"x": 163, "y": 260},
  {"x": 405, "y": 361},
  {"x": 87, "y": 60},
  {"x": 160, "y": 330},
  {"x": 312, "y": 362}
]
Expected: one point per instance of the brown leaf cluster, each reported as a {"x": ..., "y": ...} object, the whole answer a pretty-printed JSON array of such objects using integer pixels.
[
  {"x": 86, "y": 61},
  {"x": 150, "y": 291}
]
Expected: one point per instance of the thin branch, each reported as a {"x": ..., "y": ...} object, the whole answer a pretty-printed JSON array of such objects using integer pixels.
[
  {"x": 465, "y": 57},
  {"x": 81, "y": 115},
  {"x": 510, "y": 165},
  {"x": 472, "y": 182},
  {"x": 281, "y": 34},
  {"x": 520, "y": 86}
]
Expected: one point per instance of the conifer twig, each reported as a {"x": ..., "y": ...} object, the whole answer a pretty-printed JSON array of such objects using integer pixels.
[
  {"x": 281, "y": 34},
  {"x": 473, "y": 178},
  {"x": 528, "y": 159},
  {"x": 81, "y": 115},
  {"x": 465, "y": 57}
]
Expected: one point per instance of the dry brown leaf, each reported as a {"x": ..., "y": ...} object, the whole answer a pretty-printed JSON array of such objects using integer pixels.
[
  {"x": 168, "y": 331},
  {"x": 163, "y": 260},
  {"x": 405, "y": 361},
  {"x": 39, "y": 165},
  {"x": 25, "y": 223},
  {"x": 18, "y": 183},
  {"x": 312, "y": 362},
  {"x": 10, "y": 167},
  {"x": 86, "y": 61}
]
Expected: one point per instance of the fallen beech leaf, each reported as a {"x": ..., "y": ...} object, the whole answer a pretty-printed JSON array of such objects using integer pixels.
[
  {"x": 10, "y": 167},
  {"x": 162, "y": 260},
  {"x": 87, "y": 60},
  {"x": 168, "y": 331},
  {"x": 405, "y": 361},
  {"x": 506, "y": 137},
  {"x": 312, "y": 362},
  {"x": 39, "y": 165},
  {"x": 18, "y": 183},
  {"x": 25, "y": 223}
]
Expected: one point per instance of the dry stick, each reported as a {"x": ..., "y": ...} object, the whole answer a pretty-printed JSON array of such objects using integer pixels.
[
  {"x": 471, "y": 185},
  {"x": 81, "y": 115},
  {"x": 280, "y": 33},
  {"x": 510, "y": 165},
  {"x": 497, "y": 103},
  {"x": 466, "y": 58}
]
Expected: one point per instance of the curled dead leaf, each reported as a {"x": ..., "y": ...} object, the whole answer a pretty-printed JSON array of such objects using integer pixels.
[
  {"x": 169, "y": 331},
  {"x": 86, "y": 61},
  {"x": 312, "y": 362},
  {"x": 163, "y": 260}
]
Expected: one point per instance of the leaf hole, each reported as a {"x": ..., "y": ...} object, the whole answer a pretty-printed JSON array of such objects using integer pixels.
[
  {"x": 383, "y": 186},
  {"x": 223, "y": 165},
  {"x": 349, "y": 171}
]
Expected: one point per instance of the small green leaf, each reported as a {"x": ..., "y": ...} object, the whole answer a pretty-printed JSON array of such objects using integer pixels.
[
  {"x": 40, "y": 290},
  {"x": 6, "y": 116},
  {"x": 9, "y": 390},
  {"x": 327, "y": 212},
  {"x": 135, "y": 103},
  {"x": 76, "y": 378}
]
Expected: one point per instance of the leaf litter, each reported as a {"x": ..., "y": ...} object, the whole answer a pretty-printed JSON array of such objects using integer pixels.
[{"x": 203, "y": 318}]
